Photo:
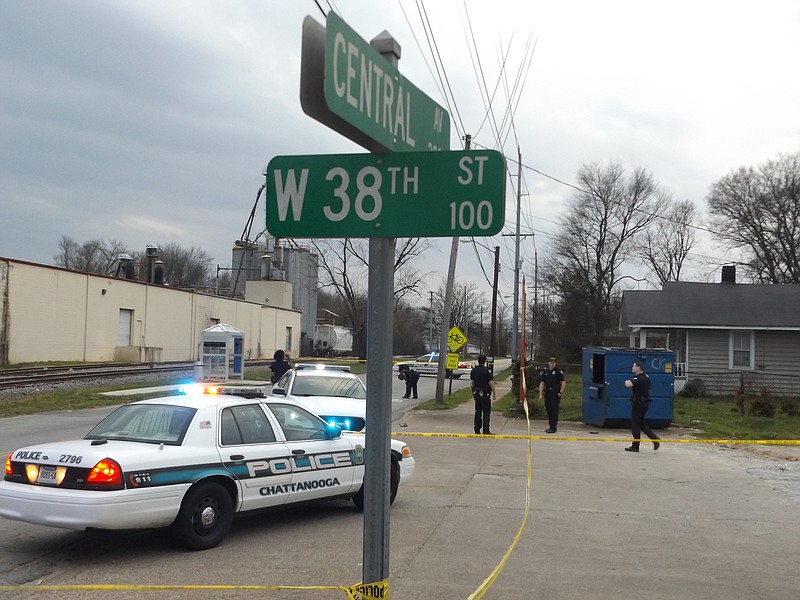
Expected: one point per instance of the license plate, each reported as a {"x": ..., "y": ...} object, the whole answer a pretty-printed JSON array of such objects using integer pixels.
[{"x": 47, "y": 475}]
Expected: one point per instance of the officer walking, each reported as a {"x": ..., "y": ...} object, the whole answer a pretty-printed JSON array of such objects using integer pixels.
[
  {"x": 639, "y": 385},
  {"x": 551, "y": 388}
]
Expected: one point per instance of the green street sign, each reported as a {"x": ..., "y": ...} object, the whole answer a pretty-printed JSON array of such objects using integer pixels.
[
  {"x": 396, "y": 194},
  {"x": 365, "y": 90}
]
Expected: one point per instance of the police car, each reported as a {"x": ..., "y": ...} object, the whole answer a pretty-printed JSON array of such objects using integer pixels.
[
  {"x": 428, "y": 364},
  {"x": 331, "y": 391},
  {"x": 189, "y": 462}
]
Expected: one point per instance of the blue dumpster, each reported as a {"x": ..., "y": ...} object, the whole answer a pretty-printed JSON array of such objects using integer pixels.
[{"x": 606, "y": 400}]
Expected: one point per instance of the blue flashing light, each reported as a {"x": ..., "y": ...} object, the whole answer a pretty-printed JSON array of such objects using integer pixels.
[{"x": 191, "y": 389}]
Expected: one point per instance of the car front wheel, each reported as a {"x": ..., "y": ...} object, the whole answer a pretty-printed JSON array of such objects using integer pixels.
[
  {"x": 394, "y": 484},
  {"x": 205, "y": 517}
]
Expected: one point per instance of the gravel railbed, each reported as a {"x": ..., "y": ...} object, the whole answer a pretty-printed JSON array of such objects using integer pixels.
[{"x": 48, "y": 388}]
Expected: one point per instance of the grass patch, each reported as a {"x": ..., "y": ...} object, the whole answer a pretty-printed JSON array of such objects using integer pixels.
[
  {"x": 570, "y": 409},
  {"x": 463, "y": 395},
  {"x": 718, "y": 418},
  {"x": 76, "y": 399}
]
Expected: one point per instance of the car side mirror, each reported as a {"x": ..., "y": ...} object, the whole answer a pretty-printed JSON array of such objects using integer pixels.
[
  {"x": 276, "y": 391},
  {"x": 333, "y": 431}
]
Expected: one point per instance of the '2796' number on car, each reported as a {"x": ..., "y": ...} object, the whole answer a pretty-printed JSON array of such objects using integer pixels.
[{"x": 70, "y": 459}]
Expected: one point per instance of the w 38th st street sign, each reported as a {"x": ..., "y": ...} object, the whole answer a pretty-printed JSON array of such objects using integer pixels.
[{"x": 397, "y": 194}]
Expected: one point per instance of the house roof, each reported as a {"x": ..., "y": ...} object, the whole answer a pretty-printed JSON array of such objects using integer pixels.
[{"x": 712, "y": 305}]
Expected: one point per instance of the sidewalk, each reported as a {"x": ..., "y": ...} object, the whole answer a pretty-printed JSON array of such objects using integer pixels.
[{"x": 688, "y": 521}]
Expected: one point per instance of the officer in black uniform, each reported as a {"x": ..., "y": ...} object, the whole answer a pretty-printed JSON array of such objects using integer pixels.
[
  {"x": 551, "y": 388},
  {"x": 640, "y": 402},
  {"x": 411, "y": 377},
  {"x": 483, "y": 392}
]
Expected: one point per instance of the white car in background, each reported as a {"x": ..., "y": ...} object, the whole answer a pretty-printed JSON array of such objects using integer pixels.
[
  {"x": 428, "y": 364},
  {"x": 190, "y": 462},
  {"x": 330, "y": 391}
]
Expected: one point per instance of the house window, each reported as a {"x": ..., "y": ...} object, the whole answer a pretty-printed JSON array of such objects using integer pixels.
[
  {"x": 288, "y": 343},
  {"x": 741, "y": 350}
]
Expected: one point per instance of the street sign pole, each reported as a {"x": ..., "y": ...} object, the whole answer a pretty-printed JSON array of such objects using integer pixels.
[
  {"x": 354, "y": 87},
  {"x": 379, "y": 410},
  {"x": 380, "y": 321}
]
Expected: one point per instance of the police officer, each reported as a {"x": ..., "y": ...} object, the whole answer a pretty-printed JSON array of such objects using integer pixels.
[
  {"x": 411, "y": 377},
  {"x": 484, "y": 392},
  {"x": 639, "y": 385},
  {"x": 551, "y": 388}
]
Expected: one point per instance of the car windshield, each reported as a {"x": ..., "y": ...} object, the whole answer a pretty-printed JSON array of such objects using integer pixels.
[
  {"x": 149, "y": 423},
  {"x": 320, "y": 385}
]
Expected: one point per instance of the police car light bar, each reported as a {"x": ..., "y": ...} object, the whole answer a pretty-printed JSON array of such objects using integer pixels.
[{"x": 322, "y": 367}]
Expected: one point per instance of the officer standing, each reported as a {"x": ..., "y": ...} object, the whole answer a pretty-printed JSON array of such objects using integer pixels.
[
  {"x": 483, "y": 392},
  {"x": 551, "y": 388}
]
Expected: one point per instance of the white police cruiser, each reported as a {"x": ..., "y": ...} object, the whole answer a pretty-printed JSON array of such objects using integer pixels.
[
  {"x": 189, "y": 462},
  {"x": 428, "y": 364},
  {"x": 330, "y": 391}
]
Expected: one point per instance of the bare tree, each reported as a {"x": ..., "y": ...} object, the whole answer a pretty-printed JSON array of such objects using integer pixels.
[
  {"x": 596, "y": 237},
  {"x": 466, "y": 308},
  {"x": 93, "y": 256},
  {"x": 345, "y": 268},
  {"x": 669, "y": 239},
  {"x": 757, "y": 210},
  {"x": 184, "y": 267}
]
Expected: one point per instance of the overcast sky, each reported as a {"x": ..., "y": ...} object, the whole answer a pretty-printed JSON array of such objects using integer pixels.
[{"x": 150, "y": 122}]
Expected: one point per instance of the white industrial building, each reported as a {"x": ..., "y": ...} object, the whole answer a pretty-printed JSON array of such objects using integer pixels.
[{"x": 48, "y": 313}]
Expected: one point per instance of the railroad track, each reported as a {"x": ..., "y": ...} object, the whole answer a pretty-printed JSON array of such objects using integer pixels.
[{"x": 30, "y": 376}]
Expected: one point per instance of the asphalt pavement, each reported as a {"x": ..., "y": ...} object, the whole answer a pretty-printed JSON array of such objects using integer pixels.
[{"x": 691, "y": 520}]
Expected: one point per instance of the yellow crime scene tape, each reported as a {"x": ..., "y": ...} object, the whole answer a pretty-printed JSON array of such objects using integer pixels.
[
  {"x": 562, "y": 438},
  {"x": 361, "y": 591},
  {"x": 380, "y": 590},
  {"x": 487, "y": 583}
]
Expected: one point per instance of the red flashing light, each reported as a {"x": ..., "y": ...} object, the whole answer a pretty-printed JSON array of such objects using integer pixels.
[{"x": 107, "y": 472}]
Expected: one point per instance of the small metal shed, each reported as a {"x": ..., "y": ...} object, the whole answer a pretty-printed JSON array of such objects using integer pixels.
[{"x": 221, "y": 352}]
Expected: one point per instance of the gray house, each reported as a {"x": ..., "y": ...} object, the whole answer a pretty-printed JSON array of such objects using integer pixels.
[{"x": 723, "y": 334}]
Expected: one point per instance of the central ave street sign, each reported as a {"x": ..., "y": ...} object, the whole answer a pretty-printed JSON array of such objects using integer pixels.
[
  {"x": 398, "y": 194},
  {"x": 365, "y": 90}
]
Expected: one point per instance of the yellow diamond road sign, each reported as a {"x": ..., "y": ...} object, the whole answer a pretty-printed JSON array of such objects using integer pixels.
[{"x": 455, "y": 339}]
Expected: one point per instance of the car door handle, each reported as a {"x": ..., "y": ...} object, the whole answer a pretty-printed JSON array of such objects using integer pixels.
[
  {"x": 298, "y": 451},
  {"x": 237, "y": 456}
]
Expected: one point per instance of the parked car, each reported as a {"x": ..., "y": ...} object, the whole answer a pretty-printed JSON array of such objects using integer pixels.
[
  {"x": 331, "y": 391},
  {"x": 189, "y": 462},
  {"x": 428, "y": 364}
]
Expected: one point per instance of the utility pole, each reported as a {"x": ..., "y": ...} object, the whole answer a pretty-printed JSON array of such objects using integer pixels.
[
  {"x": 515, "y": 325},
  {"x": 448, "y": 305},
  {"x": 466, "y": 324},
  {"x": 430, "y": 328},
  {"x": 493, "y": 326},
  {"x": 535, "y": 344}
]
